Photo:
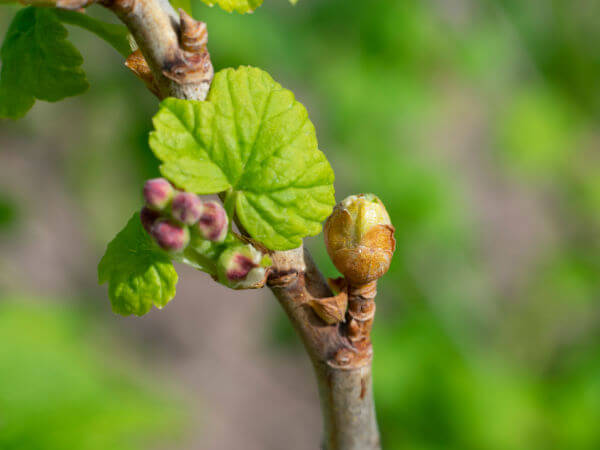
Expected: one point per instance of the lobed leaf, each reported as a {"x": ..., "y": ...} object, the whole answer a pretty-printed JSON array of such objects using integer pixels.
[
  {"x": 253, "y": 137},
  {"x": 139, "y": 274},
  {"x": 37, "y": 62}
]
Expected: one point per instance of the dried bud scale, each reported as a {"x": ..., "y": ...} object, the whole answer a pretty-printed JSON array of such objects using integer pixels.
[
  {"x": 193, "y": 33},
  {"x": 138, "y": 65},
  {"x": 331, "y": 309}
]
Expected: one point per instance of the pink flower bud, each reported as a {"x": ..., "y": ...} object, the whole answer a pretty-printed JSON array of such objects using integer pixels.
[
  {"x": 170, "y": 236},
  {"x": 213, "y": 223},
  {"x": 148, "y": 217},
  {"x": 158, "y": 192},
  {"x": 240, "y": 267},
  {"x": 186, "y": 208}
]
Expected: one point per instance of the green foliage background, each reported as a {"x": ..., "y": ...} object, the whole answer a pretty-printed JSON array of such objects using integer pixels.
[{"x": 453, "y": 113}]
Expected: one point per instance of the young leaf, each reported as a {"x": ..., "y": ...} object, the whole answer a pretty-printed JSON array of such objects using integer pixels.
[
  {"x": 252, "y": 136},
  {"x": 37, "y": 62},
  {"x": 139, "y": 274}
]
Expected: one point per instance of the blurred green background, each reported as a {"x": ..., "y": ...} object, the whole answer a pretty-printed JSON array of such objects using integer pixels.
[{"x": 477, "y": 123}]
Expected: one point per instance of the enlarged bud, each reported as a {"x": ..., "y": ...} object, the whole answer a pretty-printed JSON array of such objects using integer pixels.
[
  {"x": 186, "y": 208},
  {"x": 148, "y": 217},
  {"x": 360, "y": 238},
  {"x": 170, "y": 236},
  {"x": 213, "y": 223},
  {"x": 158, "y": 192},
  {"x": 240, "y": 267}
]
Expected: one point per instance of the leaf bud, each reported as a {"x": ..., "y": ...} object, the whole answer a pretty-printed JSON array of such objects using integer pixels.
[
  {"x": 186, "y": 208},
  {"x": 359, "y": 238},
  {"x": 213, "y": 224},
  {"x": 148, "y": 217},
  {"x": 158, "y": 192},
  {"x": 241, "y": 267},
  {"x": 170, "y": 236}
]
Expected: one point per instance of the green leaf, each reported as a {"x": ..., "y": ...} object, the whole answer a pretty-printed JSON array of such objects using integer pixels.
[
  {"x": 139, "y": 274},
  {"x": 37, "y": 62},
  {"x": 116, "y": 35},
  {"x": 252, "y": 136}
]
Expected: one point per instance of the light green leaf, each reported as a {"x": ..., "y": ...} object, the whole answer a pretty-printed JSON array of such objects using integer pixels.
[
  {"x": 139, "y": 274},
  {"x": 37, "y": 62},
  {"x": 116, "y": 35},
  {"x": 252, "y": 136}
]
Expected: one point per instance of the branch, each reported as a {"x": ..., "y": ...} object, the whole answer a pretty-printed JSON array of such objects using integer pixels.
[
  {"x": 173, "y": 61},
  {"x": 343, "y": 375}
]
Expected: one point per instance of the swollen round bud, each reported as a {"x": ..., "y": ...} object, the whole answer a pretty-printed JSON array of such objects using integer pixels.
[
  {"x": 148, "y": 217},
  {"x": 158, "y": 192},
  {"x": 213, "y": 223},
  {"x": 170, "y": 236},
  {"x": 359, "y": 238},
  {"x": 240, "y": 267},
  {"x": 186, "y": 207}
]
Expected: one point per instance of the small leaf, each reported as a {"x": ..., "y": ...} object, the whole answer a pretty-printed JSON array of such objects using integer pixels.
[
  {"x": 253, "y": 137},
  {"x": 37, "y": 62},
  {"x": 139, "y": 274}
]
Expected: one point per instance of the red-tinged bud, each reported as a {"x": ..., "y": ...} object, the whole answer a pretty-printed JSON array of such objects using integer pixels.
[
  {"x": 170, "y": 236},
  {"x": 186, "y": 208},
  {"x": 213, "y": 223},
  {"x": 158, "y": 192},
  {"x": 241, "y": 267},
  {"x": 148, "y": 218}
]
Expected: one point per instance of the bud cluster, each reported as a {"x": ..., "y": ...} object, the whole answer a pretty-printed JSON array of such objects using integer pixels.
[
  {"x": 170, "y": 215},
  {"x": 181, "y": 221}
]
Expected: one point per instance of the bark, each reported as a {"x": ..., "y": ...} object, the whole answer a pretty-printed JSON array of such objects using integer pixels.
[
  {"x": 176, "y": 63},
  {"x": 343, "y": 370}
]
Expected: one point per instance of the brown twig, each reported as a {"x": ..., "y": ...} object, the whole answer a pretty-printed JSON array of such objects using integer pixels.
[{"x": 174, "y": 51}]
